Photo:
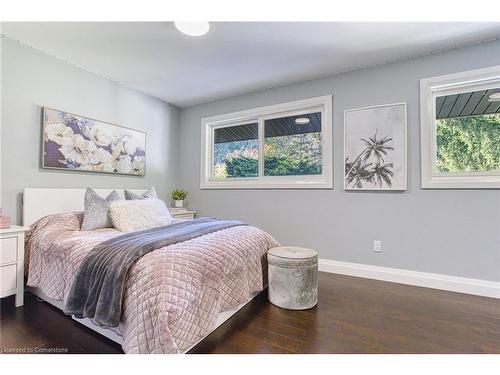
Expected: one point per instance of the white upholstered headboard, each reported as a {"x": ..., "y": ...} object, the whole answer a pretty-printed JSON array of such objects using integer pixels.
[{"x": 40, "y": 202}]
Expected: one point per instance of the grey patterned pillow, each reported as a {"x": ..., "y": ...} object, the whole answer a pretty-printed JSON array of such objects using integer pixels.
[
  {"x": 151, "y": 193},
  {"x": 96, "y": 210}
]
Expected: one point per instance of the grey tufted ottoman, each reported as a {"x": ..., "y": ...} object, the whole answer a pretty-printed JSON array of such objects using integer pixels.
[{"x": 293, "y": 277}]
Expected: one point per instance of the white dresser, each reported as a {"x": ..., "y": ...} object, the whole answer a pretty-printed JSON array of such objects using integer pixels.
[{"x": 12, "y": 262}]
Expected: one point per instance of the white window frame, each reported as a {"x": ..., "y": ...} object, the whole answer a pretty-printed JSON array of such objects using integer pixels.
[
  {"x": 321, "y": 104},
  {"x": 430, "y": 89}
]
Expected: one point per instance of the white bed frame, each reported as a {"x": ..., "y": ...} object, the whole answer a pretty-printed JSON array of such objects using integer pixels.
[{"x": 40, "y": 202}]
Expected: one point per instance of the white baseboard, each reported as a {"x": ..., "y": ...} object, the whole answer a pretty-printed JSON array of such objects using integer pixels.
[{"x": 429, "y": 280}]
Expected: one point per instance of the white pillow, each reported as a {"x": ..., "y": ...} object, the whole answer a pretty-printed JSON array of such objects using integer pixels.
[{"x": 129, "y": 216}]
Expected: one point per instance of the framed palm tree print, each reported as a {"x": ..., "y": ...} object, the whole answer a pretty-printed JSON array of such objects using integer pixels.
[{"x": 375, "y": 148}]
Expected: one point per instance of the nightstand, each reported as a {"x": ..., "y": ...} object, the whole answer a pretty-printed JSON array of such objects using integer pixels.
[
  {"x": 12, "y": 262},
  {"x": 182, "y": 213}
]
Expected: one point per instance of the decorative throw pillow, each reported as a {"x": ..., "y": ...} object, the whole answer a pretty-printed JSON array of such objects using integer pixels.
[
  {"x": 139, "y": 214},
  {"x": 96, "y": 210},
  {"x": 151, "y": 193}
]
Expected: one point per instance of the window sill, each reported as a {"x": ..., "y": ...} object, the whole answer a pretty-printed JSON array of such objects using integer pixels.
[
  {"x": 260, "y": 184},
  {"x": 461, "y": 182}
]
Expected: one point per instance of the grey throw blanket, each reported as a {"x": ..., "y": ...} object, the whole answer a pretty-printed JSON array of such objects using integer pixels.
[{"x": 98, "y": 288}]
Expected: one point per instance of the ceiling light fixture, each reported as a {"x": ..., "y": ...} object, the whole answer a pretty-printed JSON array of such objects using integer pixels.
[
  {"x": 302, "y": 121},
  {"x": 494, "y": 97},
  {"x": 193, "y": 28}
]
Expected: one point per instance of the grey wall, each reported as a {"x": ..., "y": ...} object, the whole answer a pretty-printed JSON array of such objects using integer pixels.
[
  {"x": 454, "y": 232},
  {"x": 32, "y": 79}
]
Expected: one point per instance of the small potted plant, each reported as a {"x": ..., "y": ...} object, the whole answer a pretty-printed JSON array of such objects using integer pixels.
[{"x": 178, "y": 195}]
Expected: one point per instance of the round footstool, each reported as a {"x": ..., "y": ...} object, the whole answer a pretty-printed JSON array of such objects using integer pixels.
[{"x": 293, "y": 277}]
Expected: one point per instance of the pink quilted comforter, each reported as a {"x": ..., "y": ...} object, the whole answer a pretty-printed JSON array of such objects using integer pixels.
[{"x": 173, "y": 295}]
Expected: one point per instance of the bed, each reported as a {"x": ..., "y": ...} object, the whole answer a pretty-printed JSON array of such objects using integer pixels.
[{"x": 175, "y": 296}]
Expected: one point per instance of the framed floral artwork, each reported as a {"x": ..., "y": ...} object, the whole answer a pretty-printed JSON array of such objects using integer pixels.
[
  {"x": 375, "y": 148},
  {"x": 73, "y": 142}
]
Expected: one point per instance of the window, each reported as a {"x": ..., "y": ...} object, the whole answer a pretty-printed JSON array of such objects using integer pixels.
[
  {"x": 460, "y": 130},
  {"x": 236, "y": 151},
  {"x": 292, "y": 145},
  {"x": 281, "y": 146}
]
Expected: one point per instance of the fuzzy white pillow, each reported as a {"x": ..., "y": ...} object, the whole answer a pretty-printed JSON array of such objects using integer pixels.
[{"x": 129, "y": 216}]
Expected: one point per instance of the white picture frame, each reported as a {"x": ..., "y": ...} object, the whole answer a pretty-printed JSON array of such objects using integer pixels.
[{"x": 385, "y": 170}]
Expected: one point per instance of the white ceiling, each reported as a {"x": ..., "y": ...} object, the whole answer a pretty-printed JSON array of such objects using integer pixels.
[{"x": 235, "y": 58}]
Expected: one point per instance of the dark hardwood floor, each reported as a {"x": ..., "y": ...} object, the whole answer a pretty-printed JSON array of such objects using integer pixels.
[
  {"x": 354, "y": 315},
  {"x": 38, "y": 327}
]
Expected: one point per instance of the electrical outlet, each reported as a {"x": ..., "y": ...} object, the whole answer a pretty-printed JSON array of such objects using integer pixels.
[{"x": 377, "y": 246}]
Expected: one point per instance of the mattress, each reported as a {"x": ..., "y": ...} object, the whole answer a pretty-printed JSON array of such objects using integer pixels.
[{"x": 173, "y": 295}]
